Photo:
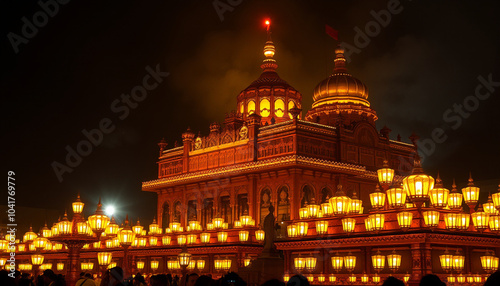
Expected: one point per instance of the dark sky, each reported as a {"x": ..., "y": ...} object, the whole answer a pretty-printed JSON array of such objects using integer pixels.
[{"x": 65, "y": 77}]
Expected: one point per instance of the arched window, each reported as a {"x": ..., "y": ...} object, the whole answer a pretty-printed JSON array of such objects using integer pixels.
[
  {"x": 207, "y": 212},
  {"x": 165, "y": 221},
  {"x": 242, "y": 108},
  {"x": 225, "y": 209},
  {"x": 283, "y": 204},
  {"x": 265, "y": 202},
  {"x": 177, "y": 211},
  {"x": 279, "y": 107},
  {"x": 251, "y": 107},
  {"x": 326, "y": 193},
  {"x": 307, "y": 195},
  {"x": 291, "y": 104},
  {"x": 191, "y": 211},
  {"x": 265, "y": 108}
]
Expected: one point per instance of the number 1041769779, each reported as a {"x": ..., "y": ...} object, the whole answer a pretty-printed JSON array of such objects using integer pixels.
[{"x": 11, "y": 200}]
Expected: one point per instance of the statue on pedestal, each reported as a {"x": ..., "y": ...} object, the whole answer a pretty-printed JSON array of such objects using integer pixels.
[{"x": 270, "y": 232}]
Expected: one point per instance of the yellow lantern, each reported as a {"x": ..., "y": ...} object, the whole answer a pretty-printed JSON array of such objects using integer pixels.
[
  {"x": 112, "y": 228},
  {"x": 222, "y": 236},
  {"x": 155, "y": 264},
  {"x": 140, "y": 265},
  {"x": 286, "y": 277},
  {"x": 217, "y": 222},
  {"x": 304, "y": 213},
  {"x": 112, "y": 265},
  {"x": 64, "y": 225},
  {"x": 40, "y": 242},
  {"x": 22, "y": 247},
  {"x": 406, "y": 278},
  {"x": 82, "y": 227},
  {"x": 310, "y": 263},
  {"x": 378, "y": 261},
  {"x": 302, "y": 228},
  {"x": 210, "y": 226},
  {"x": 494, "y": 223},
  {"x": 460, "y": 278},
  {"x": 470, "y": 279},
  {"x": 153, "y": 227},
  {"x": 450, "y": 220},
  {"x": 260, "y": 235},
  {"x": 463, "y": 221},
  {"x": 138, "y": 228},
  {"x": 496, "y": 199},
  {"x": 337, "y": 262},
  {"x": 393, "y": 261},
  {"x": 439, "y": 194},
  {"x": 350, "y": 262},
  {"x": 166, "y": 240},
  {"x": 348, "y": 224},
  {"x": 60, "y": 266},
  {"x": 200, "y": 264},
  {"x": 480, "y": 219},
  {"x": 192, "y": 265},
  {"x": 77, "y": 205},
  {"x": 418, "y": 184},
  {"x": 377, "y": 198},
  {"x": 245, "y": 219},
  {"x": 431, "y": 218},
  {"x": 96, "y": 245},
  {"x": 458, "y": 262},
  {"x": 368, "y": 224},
  {"x": 364, "y": 278},
  {"x": 321, "y": 278},
  {"x": 299, "y": 263},
  {"x": 243, "y": 235},
  {"x": 376, "y": 278},
  {"x": 313, "y": 209},
  {"x": 175, "y": 226},
  {"x": 356, "y": 204},
  {"x": 37, "y": 259},
  {"x": 237, "y": 224},
  {"x": 489, "y": 207},
  {"x": 326, "y": 208},
  {"x": 352, "y": 278},
  {"x": 55, "y": 229},
  {"x": 184, "y": 258},
  {"x": 310, "y": 278},
  {"x": 30, "y": 235},
  {"x": 321, "y": 227},
  {"x": 48, "y": 246},
  {"x": 488, "y": 262},
  {"x": 451, "y": 279},
  {"x": 126, "y": 236},
  {"x": 46, "y": 232},
  {"x": 142, "y": 242},
  {"x": 153, "y": 240},
  {"x": 455, "y": 198},
  {"x": 385, "y": 174},
  {"x": 377, "y": 221},
  {"x": 332, "y": 278},
  {"x": 205, "y": 237},
  {"x": 404, "y": 220},
  {"x": 291, "y": 230},
  {"x": 98, "y": 221},
  {"x": 104, "y": 258},
  {"x": 340, "y": 202},
  {"x": 471, "y": 193},
  {"x": 396, "y": 197},
  {"x": 181, "y": 239},
  {"x": 191, "y": 239},
  {"x": 446, "y": 260},
  {"x": 477, "y": 278},
  {"x": 246, "y": 261}
]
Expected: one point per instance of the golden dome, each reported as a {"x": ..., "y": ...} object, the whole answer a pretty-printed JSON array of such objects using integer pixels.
[{"x": 341, "y": 87}]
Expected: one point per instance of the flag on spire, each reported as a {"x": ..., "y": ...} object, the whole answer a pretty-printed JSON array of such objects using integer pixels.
[{"x": 332, "y": 32}]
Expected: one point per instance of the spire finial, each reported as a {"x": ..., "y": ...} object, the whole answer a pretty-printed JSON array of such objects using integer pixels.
[
  {"x": 340, "y": 61},
  {"x": 471, "y": 181},
  {"x": 269, "y": 63}
]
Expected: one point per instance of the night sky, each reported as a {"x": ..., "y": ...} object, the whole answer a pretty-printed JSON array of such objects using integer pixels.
[{"x": 70, "y": 75}]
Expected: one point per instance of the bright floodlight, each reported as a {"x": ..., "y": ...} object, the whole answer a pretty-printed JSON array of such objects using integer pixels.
[{"x": 110, "y": 210}]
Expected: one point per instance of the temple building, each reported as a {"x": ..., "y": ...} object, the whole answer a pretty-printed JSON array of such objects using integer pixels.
[{"x": 273, "y": 191}]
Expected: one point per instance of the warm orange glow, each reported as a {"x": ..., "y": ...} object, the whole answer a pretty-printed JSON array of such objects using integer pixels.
[
  {"x": 337, "y": 262},
  {"x": 321, "y": 227},
  {"x": 260, "y": 235},
  {"x": 463, "y": 221},
  {"x": 350, "y": 262},
  {"x": 154, "y": 265},
  {"x": 431, "y": 218},
  {"x": 37, "y": 259},
  {"x": 205, "y": 237},
  {"x": 378, "y": 261},
  {"x": 268, "y": 22},
  {"x": 299, "y": 263},
  {"x": 393, "y": 261},
  {"x": 450, "y": 220},
  {"x": 396, "y": 197},
  {"x": 104, "y": 258},
  {"x": 292, "y": 230},
  {"x": 222, "y": 236},
  {"x": 243, "y": 235},
  {"x": 494, "y": 223},
  {"x": 310, "y": 263},
  {"x": 200, "y": 264},
  {"x": 166, "y": 240},
  {"x": 181, "y": 239},
  {"x": 348, "y": 224},
  {"x": 480, "y": 219},
  {"x": 302, "y": 228},
  {"x": 140, "y": 265}
]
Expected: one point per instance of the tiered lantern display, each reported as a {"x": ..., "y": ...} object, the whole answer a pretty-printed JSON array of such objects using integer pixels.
[{"x": 439, "y": 194}]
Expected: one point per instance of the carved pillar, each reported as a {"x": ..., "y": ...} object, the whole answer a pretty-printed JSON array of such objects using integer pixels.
[
  {"x": 467, "y": 259},
  {"x": 427, "y": 265},
  {"x": 294, "y": 197},
  {"x": 416, "y": 256},
  {"x": 287, "y": 261},
  {"x": 252, "y": 197},
  {"x": 368, "y": 259},
  {"x": 199, "y": 205},
  {"x": 187, "y": 140}
]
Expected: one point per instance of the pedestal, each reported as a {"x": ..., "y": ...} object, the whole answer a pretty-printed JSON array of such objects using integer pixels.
[{"x": 264, "y": 268}]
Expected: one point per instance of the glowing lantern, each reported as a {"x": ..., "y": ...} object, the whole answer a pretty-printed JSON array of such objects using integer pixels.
[
  {"x": 489, "y": 207},
  {"x": 46, "y": 232},
  {"x": 218, "y": 222},
  {"x": 30, "y": 235},
  {"x": 142, "y": 242},
  {"x": 348, "y": 224},
  {"x": 246, "y": 261},
  {"x": 321, "y": 227},
  {"x": 404, "y": 220},
  {"x": 471, "y": 194},
  {"x": 55, "y": 229},
  {"x": 326, "y": 208},
  {"x": 299, "y": 263},
  {"x": 470, "y": 279},
  {"x": 104, "y": 258},
  {"x": 37, "y": 259},
  {"x": 77, "y": 205},
  {"x": 396, "y": 197},
  {"x": 451, "y": 279},
  {"x": 496, "y": 199},
  {"x": 302, "y": 228},
  {"x": 368, "y": 224},
  {"x": 340, "y": 202},
  {"x": 210, "y": 226},
  {"x": 332, "y": 278},
  {"x": 226, "y": 264},
  {"x": 337, "y": 262},
  {"x": 378, "y": 261},
  {"x": 184, "y": 258},
  {"x": 191, "y": 239},
  {"x": 313, "y": 209},
  {"x": 364, "y": 278},
  {"x": 304, "y": 213},
  {"x": 175, "y": 226},
  {"x": 458, "y": 262},
  {"x": 286, "y": 277},
  {"x": 406, "y": 278},
  {"x": 463, "y": 221},
  {"x": 64, "y": 225},
  {"x": 237, "y": 224},
  {"x": 166, "y": 240},
  {"x": 243, "y": 235},
  {"x": 356, "y": 204},
  {"x": 494, "y": 223},
  {"x": 260, "y": 235},
  {"x": 48, "y": 246},
  {"x": 438, "y": 194},
  {"x": 138, "y": 228},
  {"x": 181, "y": 239},
  {"x": 385, "y": 174},
  {"x": 155, "y": 264},
  {"x": 450, "y": 220},
  {"x": 140, "y": 265},
  {"x": 455, "y": 198},
  {"x": 431, "y": 218},
  {"x": 377, "y": 198},
  {"x": 350, "y": 262},
  {"x": 321, "y": 278},
  {"x": 310, "y": 263},
  {"x": 126, "y": 236},
  {"x": 291, "y": 230},
  {"x": 40, "y": 242},
  {"x": 82, "y": 227},
  {"x": 477, "y": 278},
  {"x": 245, "y": 219},
  {"x": 153, "y": 227},
  {"x": 480, "y": 219},
  {"x": 446, "y": 260},
  {"x": 352, "y": 278},
  {"x": 153, "y": 240},
  {"x": 22, "y": 247},
  {"x": 376, "y": 278},
  {"x": 192, "y": 265},
  {"x": 418, "y": 184},
  {"x": 460, "y": 278},
  {"x": 488, "y": 262},
  {"x": 310, "y": 278},
  {"x": 393, "y": 261},
  {"x": 377, "y": 221},
  {"x": 200, "y": 264},
  {"x": 221, "y": 236},
  {"x": 112, "y": 228},
  {"x": 205, "y": 237},
  {"x": 98, "y": 221}
]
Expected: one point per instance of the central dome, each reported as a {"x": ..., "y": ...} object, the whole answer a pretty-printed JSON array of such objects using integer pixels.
[{"x": 341, "y": 87}]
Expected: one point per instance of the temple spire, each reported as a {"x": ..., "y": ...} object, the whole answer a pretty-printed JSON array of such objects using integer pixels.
[
  {"x": 269, "y": 63},
  {"x": 340, "y": 61}
]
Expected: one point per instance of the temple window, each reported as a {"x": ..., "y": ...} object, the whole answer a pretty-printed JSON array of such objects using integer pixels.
[
  {"x": 279, "y": 107},
  {"x": 265, "y": 108},
  {"x": 251, "y": 107},
  {"x": 165, "y": 216}
]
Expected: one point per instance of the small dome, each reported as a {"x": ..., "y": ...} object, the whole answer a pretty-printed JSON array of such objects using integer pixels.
[{"x": 340, "y": 87}]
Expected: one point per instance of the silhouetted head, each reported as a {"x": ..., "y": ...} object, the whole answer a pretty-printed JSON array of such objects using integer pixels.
[
  {"x": 493, "y": 280},
  {"x": 431, "y": 280},
  {"x": 297, "y": 280},
  {"x": 393, "y": 281}
]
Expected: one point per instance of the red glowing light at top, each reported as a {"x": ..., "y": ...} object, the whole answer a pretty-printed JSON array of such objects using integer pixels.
[{"x": 268, "y": 22}]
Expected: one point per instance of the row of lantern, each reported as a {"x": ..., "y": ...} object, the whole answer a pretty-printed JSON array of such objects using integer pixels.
[
  {"x": 332, "y": 278},
  {"x": 456, "y": 262},
  {"x": 470, "y": 278}
]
